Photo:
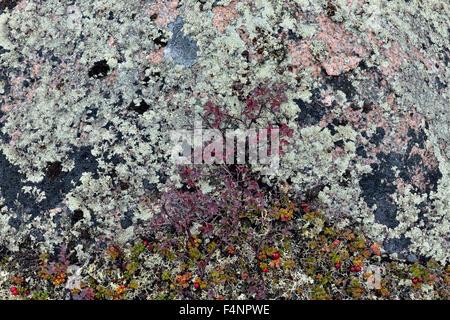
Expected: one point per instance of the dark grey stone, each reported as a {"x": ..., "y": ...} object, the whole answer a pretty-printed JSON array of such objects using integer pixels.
[
  {"x": 397, "y": 245},
  {"x": 126, "y": 223},
  {"x": 181, "y": 48},
  {"x": 386, "y": 213},
  {"x": 411, "y": 258}
]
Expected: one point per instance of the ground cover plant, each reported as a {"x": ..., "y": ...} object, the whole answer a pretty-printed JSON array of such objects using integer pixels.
[{"x": 243, "y": 240}]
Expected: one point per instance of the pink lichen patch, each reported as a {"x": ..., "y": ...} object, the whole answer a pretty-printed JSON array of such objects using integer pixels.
[
  {"x": 20, "y": 93},
  {"x": 301, "y": 57},
  {"x": 55, "y": 84},
  {"x": 83, "y": 134},
  {"x": 36, "y": 70},
  {"x": 344, "y": 51},
  {"x": 163, "y": 12},
  {"x": 15, "y": 134},
  {"x": 327, "y": 100},
  {"x": 398, "y": 137},
  {"x": 111, "y": 78},
  {"x": 223, "y": 15},
  {"x": 111, "y": 41},
  {"x": 395, "y": 57},
  {"x": 419, "y": 180},
  {"x": 55, "y": 17},
  {"x": 421, "y": 57},
  {"x": 200, "y": 94},
  {"x": 337, "y": 153},
  {"x": 359, "y": 4},
  {"x": 338, "y": 65},
  {"x": 156, "y": 57},
  {"x": 373, "y": 39},
  {"x": 374, "y": 281},
  {"x": 14, "y": 137},
  {"x": 55, "y": 210},
  {"x": 245, "y": 36},
  {"x": 443, "y": 147},
  {"x": 21, "y": 6},
  {"x": 6, "y": 108}
]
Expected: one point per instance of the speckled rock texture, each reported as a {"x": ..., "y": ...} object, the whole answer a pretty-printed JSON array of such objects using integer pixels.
[{"x": 89, "y": 91}]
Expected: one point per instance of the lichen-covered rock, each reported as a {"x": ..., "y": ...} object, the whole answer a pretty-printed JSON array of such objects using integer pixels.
[{"x": 90, "y": 92}]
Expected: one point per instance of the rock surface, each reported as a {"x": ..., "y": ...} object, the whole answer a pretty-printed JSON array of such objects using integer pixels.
[{"x": 89, "y": 92}]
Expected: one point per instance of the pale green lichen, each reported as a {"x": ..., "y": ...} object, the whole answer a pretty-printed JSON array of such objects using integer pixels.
[{"x": 80, "y": 40}]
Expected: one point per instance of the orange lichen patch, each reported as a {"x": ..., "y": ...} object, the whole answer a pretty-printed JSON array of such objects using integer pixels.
[
  {"x": 156, "y": 57},
  {"x": 344, "y": 50},
  {"x": 301, "y": 57},
  {"x": 163, "y": 12},
  {"x": 223, "y": 15}
]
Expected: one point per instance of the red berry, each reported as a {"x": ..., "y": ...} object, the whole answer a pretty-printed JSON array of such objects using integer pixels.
[
  {"x": 145, "y": 243},
  {"x": 196, "y": 285},
  {"x": 337, "y": 265},
  {"x": 276, "y": 255},
  {"x": 352, "y": 269},
  {"x": 420, "y": 279},
  {"x": 358, "y": 269},
  {"x": 414, "y": 280},
  {"x": 265, "y": 270},
  {"x": 14, "y": 291}
]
